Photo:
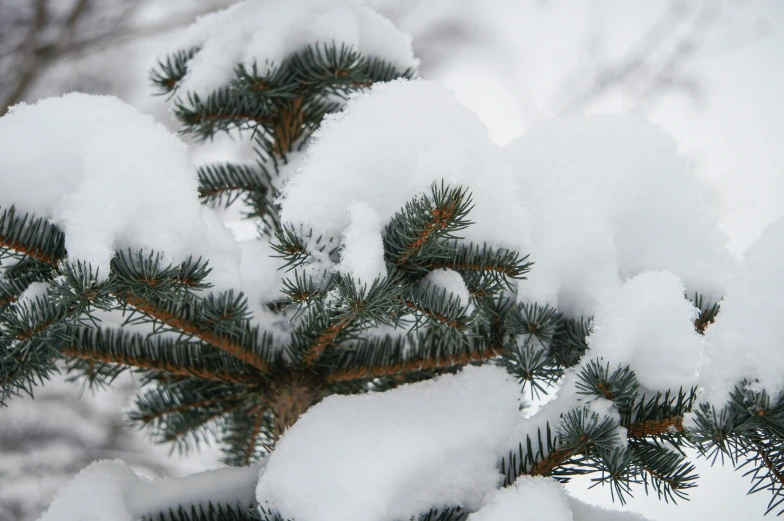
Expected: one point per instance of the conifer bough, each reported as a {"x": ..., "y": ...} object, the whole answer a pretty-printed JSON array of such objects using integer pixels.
[{"x": 439, "y": 303}]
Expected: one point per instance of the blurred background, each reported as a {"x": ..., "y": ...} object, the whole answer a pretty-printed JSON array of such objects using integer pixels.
[{"x": 708, "y": 71}]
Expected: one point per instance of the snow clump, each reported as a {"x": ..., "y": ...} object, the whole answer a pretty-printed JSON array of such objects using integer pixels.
[
  {"x": 266, "y": 32},
  {"x": 110, "y": 491},
  {"x": 110, "y": 178},
  {"x": 648, "y": 325},
  {"x": 392, "y": 455},
  {"x": 356, "y": 158},
  {"x": 610, "y": 197},
  {"x": 746, "y": 342}
]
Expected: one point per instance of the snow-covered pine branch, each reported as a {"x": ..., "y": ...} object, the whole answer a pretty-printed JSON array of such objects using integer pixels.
[{"x": 333, "y": 356}]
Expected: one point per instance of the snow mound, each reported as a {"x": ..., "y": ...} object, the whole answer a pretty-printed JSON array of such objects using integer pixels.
[
  {"x": 362, "y": 255},
  {"x": 585, "y": 512},
  {"x": 110, "y": 178},
  {"x": 747, "y": 341},
  {"x": 395, "y": 454},
  {"x": 449, "y": 280},
  {"x": 390, "y": 144},
  {"x": 649, "y": 325},
  {"x": 527, "y": 499},
  {"x": 266, "y": 32},
  {"x": 609, "y": 197},
  {"x": 110, "y": 491}
]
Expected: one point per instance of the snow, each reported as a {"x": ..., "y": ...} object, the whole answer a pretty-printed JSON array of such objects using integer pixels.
[
  {"x": 451, "y": 281},
  {"x": 527, "y": 499},
  {"x": 33, "y": 291},
  {"x": 610, "y": 197},
  {"x": 392, "y": 455},
  {"x": 586, "y": 512},
  {"x": 266, "y": 32},
  {"x": 746, "y": 342},
  {"x": 362, "y": 255},
  {"x": 648, "y": 324},
  {"x": 110, "y": 178},
  {"x": 356, "y": 156},
  {"x": 110, "y": 491}
]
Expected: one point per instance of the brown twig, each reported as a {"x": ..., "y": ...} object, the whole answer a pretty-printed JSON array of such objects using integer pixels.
[
  {"x": 224, "y": 344},
  {"x": 410, "y": 366},
  {"x": 158, "y": 365}
]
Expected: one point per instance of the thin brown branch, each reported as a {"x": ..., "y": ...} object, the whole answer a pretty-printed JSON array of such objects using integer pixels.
[
  {"x": 287, "y": 126},
  {"x": 158, "y": 365},
  {"x": 147, "y": 418},
  {"x": 553, "y": 460},
  {"x": 655, "y": 427},
  {"x": 435, "y": 316},
  {"x": 559, "y": 457},
  {"x": 7, "y": 300},
  {"x": 254, "y": 436},
  {"x": 7, "y": 243},
  {"x": 224, "y": 344},
  {"x": 768, "y": 462},
  {"x": 409, "y": 366}
]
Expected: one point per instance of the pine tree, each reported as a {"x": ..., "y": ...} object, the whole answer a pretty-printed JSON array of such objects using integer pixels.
[{"x": 210, "y": 369}]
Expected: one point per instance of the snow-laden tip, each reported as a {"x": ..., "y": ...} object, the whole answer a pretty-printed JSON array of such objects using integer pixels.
[
  {"x": 110, "y": 491},
  {"x": 111, "y": 178},
  {"x": 747, "y": 341},
  {"x": 648, "y": 324},
  {"x": 266, "y": 32},
  {"x": 395, "y": 454}
]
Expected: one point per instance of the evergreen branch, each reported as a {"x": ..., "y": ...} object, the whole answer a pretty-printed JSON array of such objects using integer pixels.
[
  {"x": 708, "y": 312},
  {"x": 443, "y": 514},
  {"x": 210, "y": 512},
  {"x": 473, "y": 258},
  {"x": 356, "y": 307},
  {"x": 416, "y": 231},
  {"x": 173, "y": 357},
  {"x": 222, "y": 342},
  {"x": 293, "y": 246},
  {"x": 31, "y": 236},
  {"x": 218, "y": 182},
  {"x": 326, "y": 339},
  {"x": 170, "y": 72},
  {"x": 436, "y": 317},
  {"x": 438, "y": 363}
]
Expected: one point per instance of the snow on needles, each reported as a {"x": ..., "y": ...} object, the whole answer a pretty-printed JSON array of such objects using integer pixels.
[
  {"x": 265, "y": 32},
  {"x": 543, "y": 499},
  {"x": 528, "y": 499},
  {"x": 110, "y": 491},
  {"x": 362, "y": 255},
  {"x": 648, "y": 324},
  {"x": 110, "y": 178},
  {"x": 392, "y": 455},
  {"x": 389, "y": 145},
  {"x": 747, "y": 341}
]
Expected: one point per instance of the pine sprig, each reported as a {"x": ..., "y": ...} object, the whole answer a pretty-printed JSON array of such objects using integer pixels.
[
  {"x": 415, "y": 236},
  {"x": 28, "y": 235},
  {"x": 210, "y": 512}
]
